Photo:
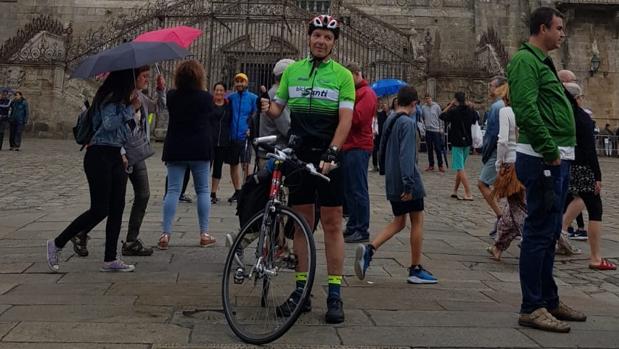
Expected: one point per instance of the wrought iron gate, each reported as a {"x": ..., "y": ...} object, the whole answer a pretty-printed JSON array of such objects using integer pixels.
[{"x": 250, "y": 36}]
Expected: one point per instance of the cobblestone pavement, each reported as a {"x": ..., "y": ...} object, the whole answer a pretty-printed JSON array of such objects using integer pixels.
[{"x": 173, "y": 298}]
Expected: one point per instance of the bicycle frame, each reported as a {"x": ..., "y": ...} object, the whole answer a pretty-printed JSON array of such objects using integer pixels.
[{"x": 267, "y": 220}]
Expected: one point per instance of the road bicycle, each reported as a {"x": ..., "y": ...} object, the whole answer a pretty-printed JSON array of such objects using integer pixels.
[{"x": 259, "y": 273}]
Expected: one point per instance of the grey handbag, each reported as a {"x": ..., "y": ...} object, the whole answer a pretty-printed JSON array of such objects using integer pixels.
[{"x": 138, "y": 147}]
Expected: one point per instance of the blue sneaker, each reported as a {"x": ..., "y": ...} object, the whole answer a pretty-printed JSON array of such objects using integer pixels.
[
  {"x": 363, "y": 257},
  {"x": 579, "y": 234},
  {"x": 418, "y": 275}
]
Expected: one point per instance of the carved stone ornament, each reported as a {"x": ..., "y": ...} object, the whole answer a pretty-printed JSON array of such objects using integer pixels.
[
  {"x": 488, "y": 61},
  {"x": 377, "y": 32},
  {"x": 25, "y": 35},
  {"x": 491, "y": 54},
  {"x": 12, "y": 75},
  {"x": 44, "y": 47},
  {"x": 253, "y": 9}
]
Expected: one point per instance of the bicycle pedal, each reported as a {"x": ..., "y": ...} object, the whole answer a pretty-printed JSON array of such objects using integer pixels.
[{"x": 239, "y": 276}]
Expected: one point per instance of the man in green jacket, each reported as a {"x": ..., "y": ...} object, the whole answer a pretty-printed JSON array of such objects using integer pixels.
[{"x": 545, "y": 151}]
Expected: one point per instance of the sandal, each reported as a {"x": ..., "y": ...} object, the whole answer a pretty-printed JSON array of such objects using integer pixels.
[
  {"x": 605, "y": 264},
  {"x": 164, "y": 241},
  {"x": 490, "y": 250},
  {"x": 455, "y": 196},
  {"x": 206, "y": 240},
  {"x": 468, "y": 199}
]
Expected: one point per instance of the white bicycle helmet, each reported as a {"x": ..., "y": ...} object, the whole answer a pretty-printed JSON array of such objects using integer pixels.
[{"x": 324, "y": 22}]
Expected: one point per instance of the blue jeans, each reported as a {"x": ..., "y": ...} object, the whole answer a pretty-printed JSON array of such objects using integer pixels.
[
  {"x": 355, "y": 165},
  {"x": 176, "y": 172},
  {"x": 434, "y": 144},
  {"x": 542, "y": 228}
]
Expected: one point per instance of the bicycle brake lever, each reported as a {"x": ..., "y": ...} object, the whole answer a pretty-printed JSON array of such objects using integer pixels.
[{"x": 313, "y": 171}]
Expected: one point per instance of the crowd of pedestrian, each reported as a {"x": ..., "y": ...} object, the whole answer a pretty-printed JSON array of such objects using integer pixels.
[
  {"x": 14, "y": 115},
  {"x": 539, "y": 167}
]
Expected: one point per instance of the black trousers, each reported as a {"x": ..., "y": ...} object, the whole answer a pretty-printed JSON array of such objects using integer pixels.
[
  {"x": 141, "y": 191},
  {"x": 220, "y": 155},
  {"x": 4, "y": 125},
  {"x": 375, "y": 151},
  {"x": 16, "y": 130},
  {"x": 107, "y": 182}
]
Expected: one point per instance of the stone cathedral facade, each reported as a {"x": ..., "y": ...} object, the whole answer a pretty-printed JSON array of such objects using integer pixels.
[{"x": 439, "y": 46}]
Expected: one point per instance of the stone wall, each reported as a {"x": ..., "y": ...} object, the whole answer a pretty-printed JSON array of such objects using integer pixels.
[
  {"x": 589, "y": 27},
  {"x": 84, "y": 14},
  {"x": 54, "y": 100},
  {"x": 454, "y": 28}
]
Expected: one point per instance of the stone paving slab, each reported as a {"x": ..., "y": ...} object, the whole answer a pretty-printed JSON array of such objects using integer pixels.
[
  {"x": 5, "y": 327},
  {"x": 487, "y": 307},
  {"x": 312, "y": 335},
  {"x": 4, "y": 307},
  {"x": 14, "y": 268},
  {"x": 88, "y": 313},
  {"x": 407, "y": 318},
  {"x": 436, "y": 337},
  {"x": 92, "y": 290},
  {"x": 173, "y": 289},
  {"x": 6, "y": 287},
  {"x": 31, "y": 278},
  {"x": 173, "y": 299},
  {"x": 575, "y": 339},
  {"x": 97, "y": 333},
  {"x": 95, "y": 276},
  {"x": 354, "y": 317},
  {"x": 272, "y": 346},
  {"x": 210, "y": 300},
  {"x": 25, "y": 299},
  {"x": 15, "y": 345}
]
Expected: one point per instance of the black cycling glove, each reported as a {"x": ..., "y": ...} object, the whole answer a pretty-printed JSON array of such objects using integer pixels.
[{"x": 330, "y": 156}]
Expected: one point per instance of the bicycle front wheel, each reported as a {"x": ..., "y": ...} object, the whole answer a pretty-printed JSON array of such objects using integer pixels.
[{"x": 261, "y": 298}]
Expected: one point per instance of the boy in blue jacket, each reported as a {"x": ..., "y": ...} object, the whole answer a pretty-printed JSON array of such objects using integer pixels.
[{"x": 404, "y": 188}]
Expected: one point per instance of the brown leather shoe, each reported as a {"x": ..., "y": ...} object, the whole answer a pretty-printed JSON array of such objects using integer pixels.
[
  {"x": 206, "y": 240},
  {"x": 565, "y": 313},
  {"x": 543, "y": 320}
]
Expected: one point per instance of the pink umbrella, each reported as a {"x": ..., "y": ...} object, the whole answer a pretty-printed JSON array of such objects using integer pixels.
[{"x": 181, "y": 35}]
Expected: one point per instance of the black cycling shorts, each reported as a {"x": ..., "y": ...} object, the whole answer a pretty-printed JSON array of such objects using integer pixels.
[
  {"x": 238, "y": 152},
  {"x": 304, "y": 188}
]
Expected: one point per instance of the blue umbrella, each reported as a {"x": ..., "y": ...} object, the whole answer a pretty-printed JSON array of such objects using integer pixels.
[
  {"x": 387, "y": 87},
  {"x": 129, "y": 55}
]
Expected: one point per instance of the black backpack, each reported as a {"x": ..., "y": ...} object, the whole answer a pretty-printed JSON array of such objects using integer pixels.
[
  {"x": 83, "y": 131},
  {"x": 383, "y": 150},
  {"x": 253, "y": 197}
]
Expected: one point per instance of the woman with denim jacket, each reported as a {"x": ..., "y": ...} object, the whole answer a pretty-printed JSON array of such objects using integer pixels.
[{"x": 114, "y": 107}]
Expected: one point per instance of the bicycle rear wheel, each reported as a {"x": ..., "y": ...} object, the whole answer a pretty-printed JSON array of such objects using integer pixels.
[{"x": 255, "y": 284}]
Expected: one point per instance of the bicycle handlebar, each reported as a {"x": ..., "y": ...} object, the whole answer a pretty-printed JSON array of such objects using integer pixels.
[{"x": 287, "y": 155}]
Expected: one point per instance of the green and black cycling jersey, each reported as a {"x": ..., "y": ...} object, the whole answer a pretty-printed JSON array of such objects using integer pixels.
[{"x": 314, "y": 97}]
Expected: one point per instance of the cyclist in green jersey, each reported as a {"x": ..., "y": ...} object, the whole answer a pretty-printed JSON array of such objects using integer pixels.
[{"x": 320, "y": 94}]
